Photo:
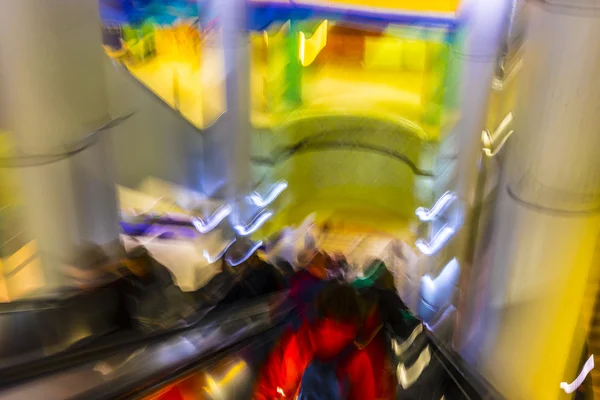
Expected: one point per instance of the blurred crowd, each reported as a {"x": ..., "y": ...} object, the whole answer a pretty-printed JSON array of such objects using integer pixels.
[{"x": 345, "y": 337}]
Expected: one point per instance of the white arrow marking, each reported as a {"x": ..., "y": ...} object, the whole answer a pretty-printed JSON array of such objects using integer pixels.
[{"x": 571, "y": 387}]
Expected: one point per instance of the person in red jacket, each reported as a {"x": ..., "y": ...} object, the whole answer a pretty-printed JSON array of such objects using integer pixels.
[
  {"x": 333, "y": 332},
  {"x": 371, "y": 339},
  {"x": 308, "y": 282}
]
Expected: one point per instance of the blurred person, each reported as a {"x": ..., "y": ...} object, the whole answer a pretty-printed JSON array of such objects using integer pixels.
[
  {"x": 257, "y": 279},
  {"x": 149, "y": 299},
  {"x": 152, "y": 297},
  {"x": 304, "y": 361},
  {"x": 339, "y": 267},
  {"x": 284, "y": 267},
  {"x": 385, "y": 315},
  {"x": 293, "y": 246},
  {"x": 391, "y": 308},
  {"x": 307, "y": 283},
  {"x": 372, "y": 273},
  {"x": 392, "y": 335},
  {"x": 372, "y": 339},
  {"x": 90, "y": 268},
  {"x": 250, "y": 279}
]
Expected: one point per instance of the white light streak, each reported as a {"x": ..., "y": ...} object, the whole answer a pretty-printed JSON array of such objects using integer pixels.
[
  {"x": 256, "y": 199},
  {"x": 439, "y": 207},
  {"x": 235, "y": 263},
  {"x": 436, "y": 244},
  {"x": 211, "y": 259},
  {"x": 571, "y": 387},
  {"x": 254, "y": 225},
  {"x": 212, "y": 221}
]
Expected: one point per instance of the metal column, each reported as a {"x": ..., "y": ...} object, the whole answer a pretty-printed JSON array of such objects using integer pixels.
[
  {"x": 53, "y": 89},
  {"x": 227, "y": 142},
  {"x": 549, "y": 212}
]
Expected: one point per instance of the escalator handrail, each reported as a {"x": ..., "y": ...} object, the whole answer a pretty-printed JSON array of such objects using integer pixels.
[
  {"x": 141, "y": 389},
  {"x": 144, "y": 385},
  {"x": 473, "y": 385},
  {"x": 17, "y": 374},
  {"x": 470, "y": 383}
]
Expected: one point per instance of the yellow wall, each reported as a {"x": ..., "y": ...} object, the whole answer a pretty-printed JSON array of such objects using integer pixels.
[
  {"x": 543, "y": 326},
  {"x": 410, "y": 5},
  {"x": 180, "y": 43}
]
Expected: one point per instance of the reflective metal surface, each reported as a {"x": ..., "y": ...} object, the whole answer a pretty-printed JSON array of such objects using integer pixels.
[
  {"x": 35, "y": 329},
  {"x": 431, "y": 372},
  {"x": 126, "y": 371}
]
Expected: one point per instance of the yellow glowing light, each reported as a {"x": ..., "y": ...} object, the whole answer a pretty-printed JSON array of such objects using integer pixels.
[
  {"x": 310, "y": 48},
  {"x": 214, "y": 387},
  {"x": 302, "y": 48},
  {"x": 233, "y": 372}
]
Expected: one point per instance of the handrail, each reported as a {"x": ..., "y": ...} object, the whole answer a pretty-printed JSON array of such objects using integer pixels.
[
  {"x": 471, "y": 383},
  {"x": 18, "y": 373}
]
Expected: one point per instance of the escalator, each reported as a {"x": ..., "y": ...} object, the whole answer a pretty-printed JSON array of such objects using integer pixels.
[
  {"x": 43, "y": 334},
  {"x": 230, "y": 341},
  {"x": 121, "y": 362},
  {"x": 127, "y": 364},
  {"x": 198, "y": 354},
  {"x": 231, "y": 375}
]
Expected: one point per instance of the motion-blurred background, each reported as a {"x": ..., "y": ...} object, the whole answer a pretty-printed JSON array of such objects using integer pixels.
[{"x": 169, "y": 167}]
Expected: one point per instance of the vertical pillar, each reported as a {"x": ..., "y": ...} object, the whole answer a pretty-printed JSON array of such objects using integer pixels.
[
  {"x": 53, "y": 89},
  {"x": 549, "y": 213},
  {"x": 486, "y": 23},
  {"x": 227, "y": 142},
  {"x": 476, "y": 54}
]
